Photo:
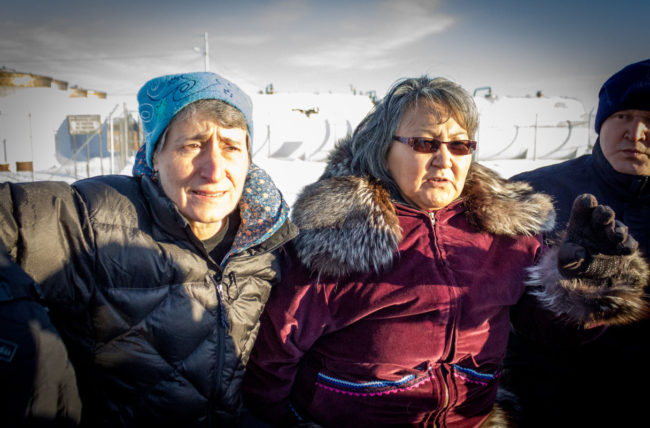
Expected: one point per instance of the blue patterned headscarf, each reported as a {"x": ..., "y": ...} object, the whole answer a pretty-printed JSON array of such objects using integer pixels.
[{"x": 162, "y": 97}]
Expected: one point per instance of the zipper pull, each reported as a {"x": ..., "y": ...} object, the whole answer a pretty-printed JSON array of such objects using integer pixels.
[
  {"x": 432, "y": 217},
  {"x": 222, "y": 305}
]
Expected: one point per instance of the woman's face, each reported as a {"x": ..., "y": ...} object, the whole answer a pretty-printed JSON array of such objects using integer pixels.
[
  {"x": 202, "y": 168},
  {"x": 430, "y": 181}
]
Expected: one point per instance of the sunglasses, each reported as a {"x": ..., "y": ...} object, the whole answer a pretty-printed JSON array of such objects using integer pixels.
[{"x": 431, "y": 145}]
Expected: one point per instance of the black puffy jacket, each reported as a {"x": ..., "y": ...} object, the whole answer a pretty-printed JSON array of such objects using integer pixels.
[
  {"x": 158, "y": 332},
  {"x": 39, "y": 387},
  {"x": 595, "y": 383}
]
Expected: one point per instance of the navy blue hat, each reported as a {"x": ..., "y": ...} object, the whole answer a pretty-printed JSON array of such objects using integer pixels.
[
  {"x": 629, "y": 88},
  {"x": 162, "y": 97}
]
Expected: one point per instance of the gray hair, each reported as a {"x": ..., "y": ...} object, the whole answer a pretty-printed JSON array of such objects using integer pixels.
[
  {"x": 373, "y": 137},
  {"x": 220, "y": 111}
]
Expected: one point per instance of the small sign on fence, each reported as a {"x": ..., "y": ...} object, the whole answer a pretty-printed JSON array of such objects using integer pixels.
[{"x": 81, "y": 124}]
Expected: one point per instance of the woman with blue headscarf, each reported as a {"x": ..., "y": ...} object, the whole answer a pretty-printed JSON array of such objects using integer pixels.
[{"x": 155, "y": 282}]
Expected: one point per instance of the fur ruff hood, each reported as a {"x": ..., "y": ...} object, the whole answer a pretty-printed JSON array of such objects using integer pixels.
[{"x": 348, "y": 222}]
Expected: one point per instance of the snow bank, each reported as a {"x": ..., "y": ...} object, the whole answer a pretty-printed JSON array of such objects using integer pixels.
[{"x": 292, "y": 133}]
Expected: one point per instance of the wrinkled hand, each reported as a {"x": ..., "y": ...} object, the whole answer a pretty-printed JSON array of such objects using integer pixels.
[{"x": 592, "y": 232}]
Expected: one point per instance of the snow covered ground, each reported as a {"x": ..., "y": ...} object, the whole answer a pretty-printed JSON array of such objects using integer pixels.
[{"x": 292, "y": 133}]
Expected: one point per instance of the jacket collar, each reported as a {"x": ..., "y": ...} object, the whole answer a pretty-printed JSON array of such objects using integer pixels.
[
  {"x": 164, "y": 211},
  {"x": 348, "y": 222},
  {"x": 262, "y": 210}
]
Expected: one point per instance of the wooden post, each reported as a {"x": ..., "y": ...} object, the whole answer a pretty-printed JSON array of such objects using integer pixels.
[{"x": 74, "y": 155}]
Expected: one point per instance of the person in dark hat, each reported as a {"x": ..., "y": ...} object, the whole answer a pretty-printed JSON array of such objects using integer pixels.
[
  {"x": 595, "y": 383},
  {"x": 154, "y": 282}
]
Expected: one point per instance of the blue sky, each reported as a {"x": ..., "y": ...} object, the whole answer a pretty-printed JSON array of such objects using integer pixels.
[{"x": 516, "y": 47}]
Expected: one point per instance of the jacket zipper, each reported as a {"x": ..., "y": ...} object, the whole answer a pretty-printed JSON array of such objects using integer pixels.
[
  {"x": 222, "y": 325},
  {"x": 432, "y": 218},
  {"x": 440, "y": 421}
]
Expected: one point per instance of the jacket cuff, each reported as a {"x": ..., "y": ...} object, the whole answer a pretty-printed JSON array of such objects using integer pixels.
[{"x": 615, "y": 298}]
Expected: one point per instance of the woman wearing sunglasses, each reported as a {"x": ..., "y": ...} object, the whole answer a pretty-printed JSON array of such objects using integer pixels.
[{"x": 394, "y": 307}]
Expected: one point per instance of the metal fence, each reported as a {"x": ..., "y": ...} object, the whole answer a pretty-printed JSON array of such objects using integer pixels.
[{"x": 108, "y": 150}]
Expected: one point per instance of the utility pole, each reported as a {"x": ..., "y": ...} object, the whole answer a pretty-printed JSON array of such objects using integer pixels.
[
  {"x": 206, "y": 52},
  {"x": 112, "y": 131},
  {"x": 31, "y": 142}
]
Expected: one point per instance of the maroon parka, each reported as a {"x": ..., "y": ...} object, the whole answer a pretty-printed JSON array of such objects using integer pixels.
[
  {"x": 421, "y": 341},
  {"x": 388, "y": 315}
]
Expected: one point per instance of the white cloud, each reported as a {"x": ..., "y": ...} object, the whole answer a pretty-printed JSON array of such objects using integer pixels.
[
  {"x": 280, "y": 13},
  {"x": 240, "y": 40},
  {"x": 254, "y": 44},
  {"x": 369, "y": 43}
]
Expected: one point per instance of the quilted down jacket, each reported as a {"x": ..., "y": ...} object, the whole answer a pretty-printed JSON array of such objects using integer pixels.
[{"x": 158, "y": 332}]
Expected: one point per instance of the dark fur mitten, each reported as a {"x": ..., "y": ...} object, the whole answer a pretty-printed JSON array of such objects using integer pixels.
[
  {"x": 596, "y": 276},
  {"x": 593, "y": 231}
]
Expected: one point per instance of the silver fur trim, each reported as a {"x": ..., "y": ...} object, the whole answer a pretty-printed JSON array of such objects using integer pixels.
[
  {"x": 348, "y": 222},
  {"x": 343, "y": 228}
]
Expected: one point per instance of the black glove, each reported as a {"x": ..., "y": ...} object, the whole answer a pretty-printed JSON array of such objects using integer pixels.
[
  {"x": 38, "y": 382},
  {"x": 594, "y": 240}
]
